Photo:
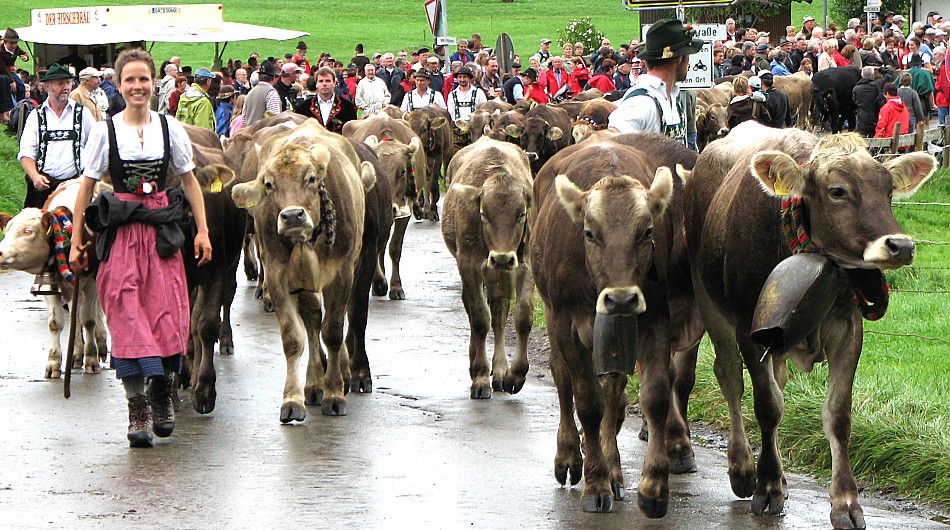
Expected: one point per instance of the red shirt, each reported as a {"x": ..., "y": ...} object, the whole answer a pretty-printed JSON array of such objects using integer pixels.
[
  {"x": 603, "y": 82},
  {"x": 892, "y": 112},
  {"x": 536, "y": 93}
]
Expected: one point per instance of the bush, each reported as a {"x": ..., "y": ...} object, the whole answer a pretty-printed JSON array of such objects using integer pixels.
[{"x": 583, "y": 31}]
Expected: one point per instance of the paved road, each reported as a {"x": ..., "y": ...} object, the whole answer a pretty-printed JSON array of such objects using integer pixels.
[{"x": 416, "y": 452}]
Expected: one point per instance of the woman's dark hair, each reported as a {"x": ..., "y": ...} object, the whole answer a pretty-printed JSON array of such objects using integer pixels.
[{"x": 133, "y": 55}]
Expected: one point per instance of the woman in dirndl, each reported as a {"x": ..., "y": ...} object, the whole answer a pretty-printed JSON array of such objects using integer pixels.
[{"x": 141, "y": 276}]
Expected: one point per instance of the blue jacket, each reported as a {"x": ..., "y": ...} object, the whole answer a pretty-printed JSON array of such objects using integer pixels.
[
  {"x": 222, "y": 117},
  {"x": 778, "y": 68}
]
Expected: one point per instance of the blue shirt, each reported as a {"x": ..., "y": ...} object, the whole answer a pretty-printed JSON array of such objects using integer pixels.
[{"x": 222, "y": 117}]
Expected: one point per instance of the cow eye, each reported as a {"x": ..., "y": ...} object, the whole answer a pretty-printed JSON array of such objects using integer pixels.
[
  {"x": 588, "y": 234},
  {"x": 837, "y": 193},
  {"x": 268, "y": 185},
  {"x": 27, "y": 231},
  {"x": 522, "y": 215},
  {"x": 312, "y": 179},
  {"x": 648, "y": 234},
  {"x": 483, "y": 216}
]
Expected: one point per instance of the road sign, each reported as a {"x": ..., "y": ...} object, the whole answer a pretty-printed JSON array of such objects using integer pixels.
[
  {"x": 633, "y": 5},
  {"x": 505, "y": 52},
  {"x": 432, "y": 13},
  {"x": 700, "y": 73},
  {"x": 874, "y": 3},
  {"x": 872, "y": 9}
]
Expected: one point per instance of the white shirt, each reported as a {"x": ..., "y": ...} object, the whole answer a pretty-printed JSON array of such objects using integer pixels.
[
  {"x": 96, "y": 155},
  {"x": 325, "y": 108},
  {"x": 638, "y": 113},
  {"x": 59, "y": 164},
  {"x": 464, "y": 112},
  {"x": 371, "y": 95},
  {"x": 414, "y": 100}
]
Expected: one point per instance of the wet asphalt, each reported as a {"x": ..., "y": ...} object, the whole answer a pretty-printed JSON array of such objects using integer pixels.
[{"x": 416, "y": 452}]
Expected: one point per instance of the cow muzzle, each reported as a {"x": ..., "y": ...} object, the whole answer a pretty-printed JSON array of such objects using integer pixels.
[
  {"x": 621, "y": 301},
  {"x": 891, "y": 251},
  {"x": 295, "y": 224},
  {"x": 532, "y": 156},
  {"x": 505, "y": 261}
]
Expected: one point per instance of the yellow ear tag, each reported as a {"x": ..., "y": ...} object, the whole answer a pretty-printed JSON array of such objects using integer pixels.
[
  {"x": 217, "y": 185},
  {"x": 902, "y": 183},
  {"x": 780, "y": 188},
  {"x": 249, "y": 204}
]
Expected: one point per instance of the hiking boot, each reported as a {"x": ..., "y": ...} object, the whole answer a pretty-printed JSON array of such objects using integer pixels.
[
  {"x": 44, "y": 285},
  {"x": 140, "y": 422},
  {"x": 163, "y": 409}
]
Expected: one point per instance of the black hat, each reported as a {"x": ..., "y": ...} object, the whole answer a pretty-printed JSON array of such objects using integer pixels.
[
  {"x": 11, "y": 35},
  {"x": 268, "y": 68},
  {"x": 464, "y": 71},
  {"x": 288, "y": 56},
  {"x": 530, "y": 72},
  {"x": 301, "y": 45},
  {"x": 766, "y": 76},
  {"x": 423, "y": 50},
  {"x": 56, "y": 71},
  {"x": 915, "y": 60},
  {"x": 421, "y": 73},
  {"x": 668, "y": 38}
]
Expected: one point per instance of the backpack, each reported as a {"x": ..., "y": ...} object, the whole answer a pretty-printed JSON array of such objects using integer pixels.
[{"x": 18, "y": 116}]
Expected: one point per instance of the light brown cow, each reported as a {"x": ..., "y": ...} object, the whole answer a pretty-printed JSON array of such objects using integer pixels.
[
  {"x": 485, "y": 227},
  {"x": 434, "y": 127},
  {"x": 592, "y": 117},
  {"x": 799, "y": 90},
  {"x": 734, "y": 230},
  {"x": 26, "y": 246},
  {"x": 602, "y": 248},
  {"x": 308, "y": 204},
  {"x": 404, "y": 164}
]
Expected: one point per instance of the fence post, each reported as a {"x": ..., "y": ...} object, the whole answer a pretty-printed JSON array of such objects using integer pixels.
[
  {"x": 919, "y": 137},
  {"x": 896, "y": 138},
  {"x": 946, "y": 145}
]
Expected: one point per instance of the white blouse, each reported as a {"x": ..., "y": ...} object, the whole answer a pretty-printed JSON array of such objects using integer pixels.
[{"x": 96, "y": 152}]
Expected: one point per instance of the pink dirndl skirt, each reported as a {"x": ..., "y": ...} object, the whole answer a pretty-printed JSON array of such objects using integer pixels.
[{"x": 144, "y": 297}]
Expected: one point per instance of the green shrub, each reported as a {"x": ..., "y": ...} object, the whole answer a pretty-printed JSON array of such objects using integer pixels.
[{"x": 583, "y": 31}]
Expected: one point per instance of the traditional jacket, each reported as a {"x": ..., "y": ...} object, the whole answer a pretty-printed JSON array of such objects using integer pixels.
[{"x": 341, "y": 112}]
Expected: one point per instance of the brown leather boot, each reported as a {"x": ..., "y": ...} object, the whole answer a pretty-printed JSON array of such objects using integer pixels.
[
  {"x": 163, "y": 409},
  {"x": 140, "y": 422}
]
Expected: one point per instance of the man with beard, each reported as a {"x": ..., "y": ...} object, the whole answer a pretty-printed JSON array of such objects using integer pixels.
[
  {"x": 491, "y": 81},
  {"x": 325, "y": 106},
  {"x": 464, "y": 98},
  {"x": 652, "y": 104}
]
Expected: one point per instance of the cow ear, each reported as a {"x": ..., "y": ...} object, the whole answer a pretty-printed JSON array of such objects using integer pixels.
[
  {"x": 683, "y": 173},
  {"x": 4, "y": 220},
  {"x": 579, "y": 132},
  {"x": 405, "y": 116},
  {"x": 778, "y": 174},
  {"x": 371, "y": 140},
  {"x": 214, "y": 177},
  {"x": 46, "y": 222},
  {"x": 512, "y": 130},
  {"x": 319, "y": 159},
  {"x": 247, "y": 195},
  {"x": 486, "y": 130},
  {"x": 910, "y": 171},
  {"x": 367, "y": 175},
  {"x": 571, "y": 197},
  {"x": 415, "y": 144},
  {"x": 661, "y": 191},
  {"x": 496, "y": 113},
  {"x": 467, "y": 193},
  {"x": 462, "y": 126},
  {"x": 555, "y": 133},
  {"x": 437, "y": 122}
]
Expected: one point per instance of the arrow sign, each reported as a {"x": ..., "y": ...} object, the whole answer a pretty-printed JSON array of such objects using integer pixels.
[{"x": 432, "y": 13}]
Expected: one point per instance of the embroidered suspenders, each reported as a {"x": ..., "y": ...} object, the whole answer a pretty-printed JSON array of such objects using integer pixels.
[
  {"x": 46, "y": 136},
  {"x": 470, "y": 104},
  {"x": 676, "y": 132}
]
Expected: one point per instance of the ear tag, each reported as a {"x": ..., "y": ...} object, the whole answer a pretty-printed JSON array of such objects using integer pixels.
[
  {"x": 780, "y": 187},
  {"x": 902, "y": 182},
  {"x": 217, "y": 185},
  {"x": 249, "y": 204}
]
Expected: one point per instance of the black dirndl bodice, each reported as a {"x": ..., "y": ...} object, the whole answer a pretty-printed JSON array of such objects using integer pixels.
[{"x": 140, "y": 177}]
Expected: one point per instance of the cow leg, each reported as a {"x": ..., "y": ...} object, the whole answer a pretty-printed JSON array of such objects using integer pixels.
[
  {"x": 102, "y": 342},
  {"x": 395, "y": 255},
  {"x": 653, "y": 495},
  {"x": 88, "y": 311},
  {"x": 226, "y": 334},
  {"x": 312, "y": 314},
  {"x": 207, "y": 322},
  {"x": 498, "y": 287},
  {"x": 568, "y": 458},
  {"x": 56, "y": 319},
  {"x": 293, "y": 335},
  {"x": 769, "y": 405},
  {"x": 678, "y": 444},
  {"x": 336, "y": 298},
  {"x": 615, "y": 409},
  {"x": 432, "y": 200},
  {"x": 476, "y": 307},
  {"x": 251, "y": 269},
  {"x": 360, "y": 379},
  {"x": 524, "y": 312},
  {"x": 844, "y": 351}
]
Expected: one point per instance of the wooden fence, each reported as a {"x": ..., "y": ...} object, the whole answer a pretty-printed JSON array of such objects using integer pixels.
[{"x": 916, "y": 141}]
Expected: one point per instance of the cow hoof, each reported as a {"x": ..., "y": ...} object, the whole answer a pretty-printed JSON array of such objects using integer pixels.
[
  {"x": 333, "y": 407},
  {"x": 93, "y": 368},
  {"x": 268, "y": 307},
  {"x": 53, "y": 374},
  {"x": 203, "y": 400},
  {"x": 574, "y": 469},
  {"x": 601, "y": 503},
  {"x": 497, "y": 385},
  {"x": 361, "y": 384},
  {"x": 645, "y": 433},
  {"x": 513, "y": 383},
  {"x": 77, "y": 362},
  {"x": 397, "y": 294},
  {"x": 681, "y": 466},
  {"x": 769, "y": 502},
  {"x": 259, "y": 293},
  {"x": 226, "y": 347},
  {"x": 380, "y": 288},
  {"x": 743, "y": 484},
  {"x": 314, "y": 396},
  {"x": 619, "y": 491},
  {"x": 292, "y": 411},
  {"x": 481, "y": 392},
  {"x": 842, "y": 518},
  {"x": 433, "y": 216},
  {"x": 417, "y": 212},
  {"x": 653, "y": 508}
]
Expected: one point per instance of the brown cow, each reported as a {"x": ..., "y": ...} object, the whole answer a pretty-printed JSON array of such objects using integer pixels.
[
  {"x": 720, "y": 94},
  {"x": 508, "y": 127},
  {"x": 799, "y": 90},
  {"x": 711, "y": 124},
  {"x": 485, "y": 227},
  {"x": 546, "y": 131},
  {"x": 492, "y": 105},
  {"x": 308, "y": 204},
  {"x": 601, "y": 248},
  {"x": 434, "y": 127},
  {"x": 734, "y": 229},
  {"x": 400, "y": 157},
  {"x": 592, "y": 117}
]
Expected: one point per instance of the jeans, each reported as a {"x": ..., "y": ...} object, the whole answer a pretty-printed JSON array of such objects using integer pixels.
[
  {"x": 942, "y": 113},
  {"x": 20, "y": 87}
]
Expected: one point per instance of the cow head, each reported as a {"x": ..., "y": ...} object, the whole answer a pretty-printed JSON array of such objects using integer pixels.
[
  {"x": 503, "y": 202},
  {"x": 847, "y": 195},
  {"x": 618, "y": 215},
  {"x": 537, "y": 136},
  {"x": 214, "y": 177},
  {"x": 711, "y": 125},
  {"x": 479, "y": 123},
  {"x": 27, "y": 240},
  {"x": 425, "y": 126},
  {"x": 824, "y": 105},
  {"x": 396, "y": 159}
]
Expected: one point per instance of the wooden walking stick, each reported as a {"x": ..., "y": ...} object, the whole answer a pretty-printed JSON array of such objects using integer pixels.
[{"x": 73, "y": 312}]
